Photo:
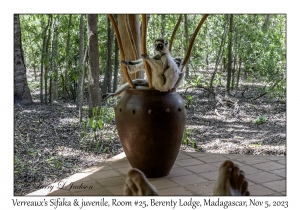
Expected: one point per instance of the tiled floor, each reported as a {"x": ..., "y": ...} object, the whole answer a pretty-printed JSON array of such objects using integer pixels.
[{"x": 193, "y": 173}]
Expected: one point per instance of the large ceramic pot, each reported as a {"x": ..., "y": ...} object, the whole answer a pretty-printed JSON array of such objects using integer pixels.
[{"x": 150, "y": 125}]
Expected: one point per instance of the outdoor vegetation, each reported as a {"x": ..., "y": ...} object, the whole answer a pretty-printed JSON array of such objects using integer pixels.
[{"x": 234, "y": 87}]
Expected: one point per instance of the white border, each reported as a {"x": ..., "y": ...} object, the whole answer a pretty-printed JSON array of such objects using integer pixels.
[{"x": 133, "y": 6}]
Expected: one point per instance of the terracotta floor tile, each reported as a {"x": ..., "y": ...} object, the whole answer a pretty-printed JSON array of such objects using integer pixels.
[
  {"x": 252, "y": 159},
  {"x": 120, "y": 164},
  {"x": 153, "y": 179},
  {"x": 212, "y": 158},
  {"x": 259, "y": 190},
  {"x": 163, "y": 184},
  {"x": 278, "y": 194},
  {"x": 78, "y": 176},
  {"x": 278, "y": 186},
  {"x": 201, "y": 188},
  {"x": 273, "y": 157},
  {"x": 197, "y": 154},
  {"x": 217, "y": 164},
  {"x": 60, "y": 192},
  {"x": 269, "y": 166},
  {"x": 202, "y": 168},
  {"x": 92, "y": 193},
  {"x": 193, "y": 173},
  {"x": 283, "y": 161},
  {"x": 179, "y": 171},
  {"x": 113, "y": 181},
  {"x": 209, "y": 194},
  {"x": 188, "y": 162},
  {"x": 250, "y": 170},
  {"x": 116, "y": 190},
  {"x": 283, "y": 193},
  {"x": 182, "y": 155},
  {"x": 174, "y": 191},
  {"x": 102, "y": 167},
  {"x": 175, "y": 165},
  {"x": 188, "y": 179},
  {"x": 104, "y": 174},
  {"x": 212, "y": 176},
  {"x": 280, "y": 172},
  {"x": 263, "y": 177},
  {"x": 124, "y": 170},
  {"x": 119, "y": 157},
  {"x": 250, "y": 183}
]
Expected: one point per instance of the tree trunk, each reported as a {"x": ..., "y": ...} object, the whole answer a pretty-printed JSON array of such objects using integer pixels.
[
  {"x": 54, "y": 60},
  {"x": 81, "y": 64},
  {"x": 21, "y": 91},
  {"x": 229, "y": 67},
  {"x": 50, "y": 91},
  {"x": 207, "y": 62},
  {"x": 47, "y": 58},
  {"x": 116, "y": 70},
  {"x": 134, "y": 25},
  {"x": 187, "y": 41},
  {"x": 94, "y": 92},
  {"x": 106, "y": 87},
  {"x": 163, "y": 17},
  {"x": 233, "y": 72},
  {"x": 266, "y": 22},
  {"x": 81, "y": 86},
  {"x": 43, "y": 60},
  {"x": 220, "y": 54},
  {"x": 239, "y": 72},
  {"x": 66, "y": 80}
]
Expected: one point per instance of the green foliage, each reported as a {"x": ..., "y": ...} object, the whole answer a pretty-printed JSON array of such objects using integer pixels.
[
  {"x": 260, "y": 120},
  {"x": 187, "y": 139},
  {"x": 92, "y": 127},
  {"x": 258, "y": 144},
  {"x": 189, "y": 100},
  {"x": 198, "y": 80},
  {"x": 54, "y": 162},
  {"x": 261, "y": 45}
]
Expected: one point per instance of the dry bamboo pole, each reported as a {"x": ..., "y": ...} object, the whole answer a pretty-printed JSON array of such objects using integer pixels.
[
  {"x": 129, "y": 32},
  {"x": 192, "y": 40},
  {"x": 132, "y": 43},
  {"x": 144, "y": 50},
  {"x": 113, "y": 22}
]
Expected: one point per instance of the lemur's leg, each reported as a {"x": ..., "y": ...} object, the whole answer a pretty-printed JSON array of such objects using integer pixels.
[
  {"x": 156, "y": 65},
  {"x": 125, "y": 86},
  {"x": 179, "y": 81}
]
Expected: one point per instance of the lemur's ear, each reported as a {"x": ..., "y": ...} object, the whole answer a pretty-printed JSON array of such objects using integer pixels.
[{"x": 166, "y": 42}]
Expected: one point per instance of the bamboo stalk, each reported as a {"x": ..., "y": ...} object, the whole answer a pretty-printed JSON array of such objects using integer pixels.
[
  {"x": 132, "y": 43},
  {"x": 113, "y": 22},
  {"x": 144, "y": 50},
  {"x": 130, "y": 36}
]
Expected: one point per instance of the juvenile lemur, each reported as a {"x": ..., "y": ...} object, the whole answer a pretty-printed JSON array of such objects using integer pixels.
[{"x": 165, "y": 70}]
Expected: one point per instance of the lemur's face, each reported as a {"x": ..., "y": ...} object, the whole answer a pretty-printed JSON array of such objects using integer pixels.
[{"x": 160, "y": 45}]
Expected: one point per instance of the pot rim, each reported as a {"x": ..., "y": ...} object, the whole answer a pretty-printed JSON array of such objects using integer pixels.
[{"x": 140, "y": 90}]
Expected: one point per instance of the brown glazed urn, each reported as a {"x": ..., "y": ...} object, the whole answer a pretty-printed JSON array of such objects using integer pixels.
[{"x": 150, "y": 125}]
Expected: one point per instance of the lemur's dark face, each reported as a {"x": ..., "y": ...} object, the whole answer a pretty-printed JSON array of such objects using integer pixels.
[{"x": 160, "y": 45}]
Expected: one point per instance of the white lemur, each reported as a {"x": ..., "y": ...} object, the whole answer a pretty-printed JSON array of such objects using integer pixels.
[{"x": 165, "y": 70}]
